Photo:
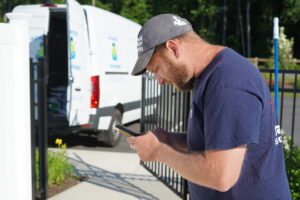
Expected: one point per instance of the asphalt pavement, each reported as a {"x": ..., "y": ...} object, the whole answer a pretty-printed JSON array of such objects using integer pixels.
[{"x": 287, "y": 117}]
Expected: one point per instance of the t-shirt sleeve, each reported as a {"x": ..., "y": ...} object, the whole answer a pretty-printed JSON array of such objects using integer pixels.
[{"x": 232, "y": 118}]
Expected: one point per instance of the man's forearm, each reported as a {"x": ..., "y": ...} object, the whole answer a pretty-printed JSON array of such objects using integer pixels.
[
  {"x": 201, "y": 169},
  {"x": 189, "y": 165}
]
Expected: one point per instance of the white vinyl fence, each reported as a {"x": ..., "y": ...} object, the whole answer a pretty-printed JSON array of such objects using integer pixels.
[{"x": 15, "y": 133}]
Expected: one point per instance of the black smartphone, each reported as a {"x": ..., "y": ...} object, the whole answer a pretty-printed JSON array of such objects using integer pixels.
[{"x": 125, "y": 131}]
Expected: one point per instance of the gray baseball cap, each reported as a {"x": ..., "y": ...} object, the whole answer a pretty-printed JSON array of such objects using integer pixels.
[{"x": 154, "y": 32}]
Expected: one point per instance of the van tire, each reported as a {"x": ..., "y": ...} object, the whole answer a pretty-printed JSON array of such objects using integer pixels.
[{"x": 113, "y": 136}]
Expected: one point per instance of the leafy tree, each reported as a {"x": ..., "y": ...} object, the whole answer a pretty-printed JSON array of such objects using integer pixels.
[
  {"x": 222, "y": 22},
  {"x": 206, "y": 16},
  {"x": 290, "y": 19},
  {"x": 58, "y": 1},
  {"x": 291, "y": 11},
  {"x": 136, "y": 10}
]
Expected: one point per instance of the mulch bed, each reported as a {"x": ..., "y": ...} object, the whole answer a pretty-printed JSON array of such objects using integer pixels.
[{"x": 68, "y": 183}]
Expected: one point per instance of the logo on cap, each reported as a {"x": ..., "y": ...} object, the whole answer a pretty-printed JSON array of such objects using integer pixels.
[
  {"x": 140, "y": 44},
  {"x": 178, "y": 22}
]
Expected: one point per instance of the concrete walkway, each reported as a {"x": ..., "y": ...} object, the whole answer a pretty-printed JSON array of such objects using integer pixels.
[{"x": 113, "y": 176}]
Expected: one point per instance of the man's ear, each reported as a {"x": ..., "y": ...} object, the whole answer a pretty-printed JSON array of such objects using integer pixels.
[{"x": 173, "y": 47}]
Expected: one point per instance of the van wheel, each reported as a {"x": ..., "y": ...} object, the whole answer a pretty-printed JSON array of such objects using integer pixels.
[{"x": 113, "y": 136}]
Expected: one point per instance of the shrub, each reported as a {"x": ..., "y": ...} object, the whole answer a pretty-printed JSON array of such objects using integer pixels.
[
  {"x": 292, "y": 166},
  {"x": 286, "y": 59},
  {"x": 285, "y": 50}
]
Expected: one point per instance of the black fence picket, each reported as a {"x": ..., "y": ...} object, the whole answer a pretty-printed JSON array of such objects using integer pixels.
[
  {"x": 163, "y": 106},
  {"x": 39, "y": 134}
]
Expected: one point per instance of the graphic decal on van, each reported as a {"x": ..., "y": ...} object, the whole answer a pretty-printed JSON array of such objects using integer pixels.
[
  {"x": 41, "y": 50},
  {"x": 37, "y": 48},
  {"x": 72, "y": 48},
  {"x": 114, "y": 52},
  {"x": 75, "y": 67}
]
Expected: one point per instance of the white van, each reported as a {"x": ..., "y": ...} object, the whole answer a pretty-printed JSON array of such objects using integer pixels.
[{"x": 90, "y": 54}]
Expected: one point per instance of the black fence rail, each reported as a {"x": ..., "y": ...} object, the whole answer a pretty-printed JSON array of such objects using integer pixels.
[
  {"x": 165, "y": 107},
  {"x": 39, "y": 136}
]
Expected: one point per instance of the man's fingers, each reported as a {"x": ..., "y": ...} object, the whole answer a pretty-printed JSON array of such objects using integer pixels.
[
  {"x": 132, "y": 146},
  {"x": 130, "y": 140}
]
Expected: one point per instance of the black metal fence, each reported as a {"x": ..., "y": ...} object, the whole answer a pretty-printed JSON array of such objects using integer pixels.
[
  {"x": 165, "y": 107},
  {"x": 289, "y": 103},
  {"x": 39, "y": 136}
]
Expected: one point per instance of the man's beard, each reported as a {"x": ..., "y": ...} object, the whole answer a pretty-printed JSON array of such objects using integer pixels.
[
  {"x": 185, "y": 86},
  {"x": 180, "y": 78}
]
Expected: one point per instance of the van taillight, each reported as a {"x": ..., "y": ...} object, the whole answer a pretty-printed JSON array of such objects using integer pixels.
[{"x": 95, "y": 92}]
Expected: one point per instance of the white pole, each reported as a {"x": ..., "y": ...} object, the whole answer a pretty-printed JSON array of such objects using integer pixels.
[
  {"x": 276, "y": 63},
  {"x": 15, "y": 148}
]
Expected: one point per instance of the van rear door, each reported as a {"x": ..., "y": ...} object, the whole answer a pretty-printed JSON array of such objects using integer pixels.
[{"x": 79, "y": 87}]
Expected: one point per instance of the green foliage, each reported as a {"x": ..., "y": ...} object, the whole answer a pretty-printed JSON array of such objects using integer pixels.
[
  {"x": 285, "y": 50},
  {"x": 58, "y": 165},
  {"x": 105, "y": 6},
  {"x": 291, "y": 11},
  {"x": 219, "y": 22},
  {"x": 58, "y": 1},
  {"x": 37, "y": 174},
  {"x": 286, "y": 59},
  {"x": 206, "y": 15},
  {"x": 136, "y": 10},
  {"x": 292, "y": 166}
]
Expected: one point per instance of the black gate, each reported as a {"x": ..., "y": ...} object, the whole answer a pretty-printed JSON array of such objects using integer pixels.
[
  {"x": 39, "y": 136},
  {"x": 165, "y": 107}
]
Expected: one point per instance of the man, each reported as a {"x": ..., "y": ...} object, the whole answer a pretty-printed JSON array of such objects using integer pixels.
[{"x": 233, "y": 146}]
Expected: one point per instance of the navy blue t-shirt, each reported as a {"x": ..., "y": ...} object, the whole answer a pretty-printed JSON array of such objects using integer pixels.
[{"x": 231, "y": 107}]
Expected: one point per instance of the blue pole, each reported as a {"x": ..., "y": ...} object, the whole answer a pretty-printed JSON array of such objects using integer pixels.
[{"x": 276, "y": 63}]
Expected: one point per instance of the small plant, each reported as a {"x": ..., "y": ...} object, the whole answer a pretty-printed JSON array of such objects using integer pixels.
[
  {"x": 58, "y": 165},
  {"x": 292, "y": 166}
]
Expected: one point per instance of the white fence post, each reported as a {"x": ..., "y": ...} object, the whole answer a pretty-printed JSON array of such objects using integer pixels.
[{"x": 15, "y": 132}]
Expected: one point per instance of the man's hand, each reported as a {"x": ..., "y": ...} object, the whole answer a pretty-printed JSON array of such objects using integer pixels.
[
  {"x": 216, "y": 169},
  {"x": 146, "y": 146}
]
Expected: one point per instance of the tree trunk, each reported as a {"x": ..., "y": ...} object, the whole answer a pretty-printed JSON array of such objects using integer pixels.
[
  {"x": 241, "y": 26},
  {"x": 248, "y": 29},
  {"x": 224, "y": 22}
]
